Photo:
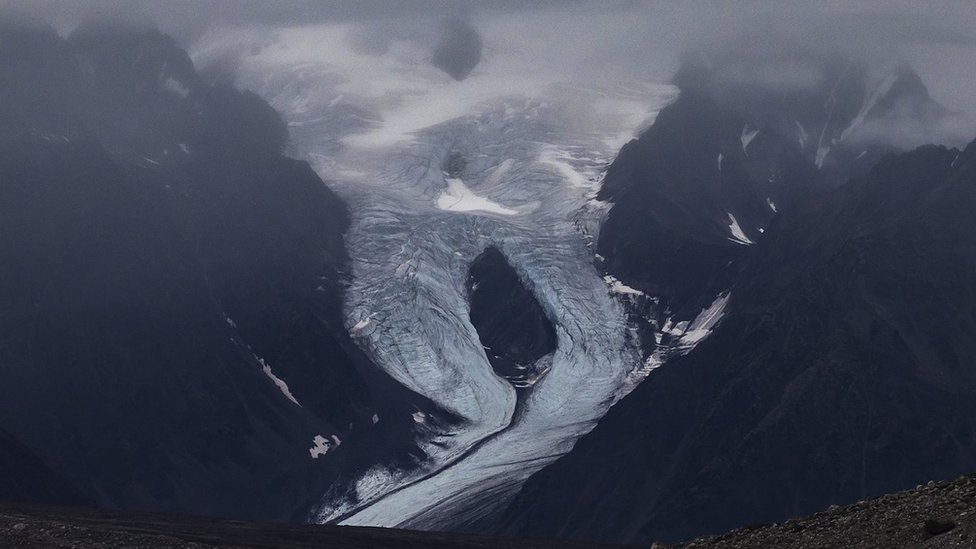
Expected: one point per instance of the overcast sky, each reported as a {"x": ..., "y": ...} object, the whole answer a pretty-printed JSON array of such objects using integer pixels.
[{"x": 937, "y": 38}]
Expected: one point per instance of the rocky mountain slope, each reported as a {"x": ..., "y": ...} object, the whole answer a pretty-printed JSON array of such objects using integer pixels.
[
  {"x": 840, "y": 371},
  {"x": 840, "y": 367},
  {"x": 27, "y": 527},
  {"x": 172, "y": 334},
  {"x": 842, "y": 113},
  {"x": 937, "y": 515},
  {"x": 511, "y": 324},
  {"x": 194, "y": 322}
]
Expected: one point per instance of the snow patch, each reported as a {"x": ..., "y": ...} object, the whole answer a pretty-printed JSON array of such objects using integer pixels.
[
  {"x": 459, "y": 198},
  {"x": 737, "y": 234},
  {"x": 822, "y": 152},
  {"x": 684, "y": 336},
  {"x": 280, "y": 383},
  {"x": 703, "y": 324},
  {"x": 618, "y": 287},
  {"x": 747, "y": 137},
  {"x": 322, "y": 445},
  {"x": 772, "y": 205},
  {"x": 802, "y": 135}
]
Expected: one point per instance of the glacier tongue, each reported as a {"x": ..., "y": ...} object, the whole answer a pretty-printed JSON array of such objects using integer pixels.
[{"x": 531, "y": 155}]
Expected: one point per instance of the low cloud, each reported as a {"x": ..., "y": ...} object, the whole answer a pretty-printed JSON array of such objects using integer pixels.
[
  {"x": 458, "y": 49},
  {"x": 594, "y": 39}
]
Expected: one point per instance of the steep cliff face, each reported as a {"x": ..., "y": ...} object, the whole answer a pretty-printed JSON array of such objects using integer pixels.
[
  {"x": 841, "y": 370},
  {"x": 173, "y": 336},
  {"x": 690, "y": 196},
  {"x": 842, "y": 113},
  {"x": 936, "y": 514},
  {"x": 511, "y": 324}
]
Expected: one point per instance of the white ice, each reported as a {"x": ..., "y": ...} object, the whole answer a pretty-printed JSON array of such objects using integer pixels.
[
  {"x": 459, "y": 198},
  {"x": 380, "y": 128}
]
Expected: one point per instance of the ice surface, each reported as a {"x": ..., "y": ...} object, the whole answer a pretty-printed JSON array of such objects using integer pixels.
[
  {"x": 360, "y": 325},
  {"x": 551, "y": 157},
  {"x": 381, "y": 129}
]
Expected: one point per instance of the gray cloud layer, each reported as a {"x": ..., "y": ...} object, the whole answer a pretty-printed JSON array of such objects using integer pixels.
[{"x": 937, "y": 38}]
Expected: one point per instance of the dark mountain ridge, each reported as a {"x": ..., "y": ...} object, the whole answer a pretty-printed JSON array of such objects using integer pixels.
[
  {"x": 173, "y": 336},
  {"x": 841, "y": 370}
]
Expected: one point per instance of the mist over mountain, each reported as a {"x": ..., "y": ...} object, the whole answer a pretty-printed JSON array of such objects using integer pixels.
[
  {"x": 626, "y": 272},
  {"x": 458, "y": 50}
]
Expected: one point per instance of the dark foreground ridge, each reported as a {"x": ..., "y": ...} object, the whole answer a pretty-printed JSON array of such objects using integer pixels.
[
  {"x": 937, "y": 515},
  {"x": 37, "y": 527}
]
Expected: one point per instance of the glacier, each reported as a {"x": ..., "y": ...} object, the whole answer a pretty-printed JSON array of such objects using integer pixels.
[{"x": 382, "y": 130}]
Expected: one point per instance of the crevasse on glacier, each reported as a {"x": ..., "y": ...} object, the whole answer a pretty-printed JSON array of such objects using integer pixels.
[{"x": 531, "y": 155}]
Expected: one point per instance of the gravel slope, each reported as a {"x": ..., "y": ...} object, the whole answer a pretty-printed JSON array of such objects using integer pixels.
[
  {"x": 37, "y": 527},
  {"x": 938, "y": 515}
]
